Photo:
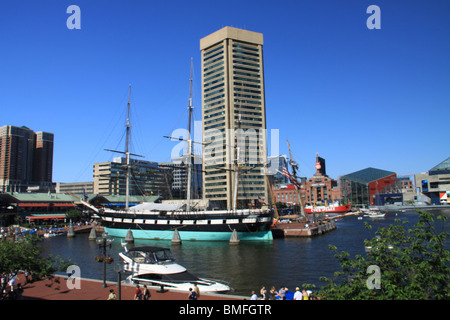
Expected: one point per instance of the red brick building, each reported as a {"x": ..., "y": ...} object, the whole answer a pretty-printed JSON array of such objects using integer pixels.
[{"x": 286, "y": 194}]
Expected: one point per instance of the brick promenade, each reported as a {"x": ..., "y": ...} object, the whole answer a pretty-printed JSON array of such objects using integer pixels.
[{"x": 57, "y": 289}]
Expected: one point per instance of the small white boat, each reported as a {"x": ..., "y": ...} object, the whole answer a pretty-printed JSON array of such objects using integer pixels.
[
  {"x": 374, "y": 213},
  {"x": 156, "y": 267}
]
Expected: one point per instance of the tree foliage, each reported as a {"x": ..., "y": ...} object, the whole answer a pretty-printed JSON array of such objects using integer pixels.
[
  {"x": 26, "y": 254},
  {"x": 413, "y": 264}
]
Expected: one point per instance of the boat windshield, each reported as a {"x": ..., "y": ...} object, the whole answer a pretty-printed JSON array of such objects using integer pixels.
[
  {"x": 163, "y": 255},
  {"x": 150, "y": 255}
]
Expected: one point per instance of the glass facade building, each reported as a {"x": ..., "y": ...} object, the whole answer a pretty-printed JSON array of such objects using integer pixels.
[{"x": 360, "y": 188}]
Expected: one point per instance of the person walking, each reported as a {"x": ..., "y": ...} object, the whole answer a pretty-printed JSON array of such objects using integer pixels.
[
  {"x": 298, "y": 295},
  {"x": 112, "y": 295},
  {"x": 27, "y": 276},
  {"x": 305, "y": 295},
  {"x": 273, "y": 293},
  {"x": 263, "y": 293},
  {"x": 197, "y": 291},
  {"x": 146, "y": 293},
  {"x": 138, "y": 293},
  {"x": 12, "y": 281},
  {"x": 282, "y": 293},
  {"x": 192, "y": 295}
]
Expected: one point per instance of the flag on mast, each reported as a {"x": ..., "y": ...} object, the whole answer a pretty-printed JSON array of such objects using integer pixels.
[{"x": 291, "y": 178}]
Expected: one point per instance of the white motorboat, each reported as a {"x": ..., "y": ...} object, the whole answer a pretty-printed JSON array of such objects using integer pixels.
[
  {"x": 156, "y": 267},
  {"x": 374, "y": 213}
]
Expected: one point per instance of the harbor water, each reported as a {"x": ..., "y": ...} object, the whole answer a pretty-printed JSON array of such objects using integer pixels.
[{"x": 289, "y": 262}]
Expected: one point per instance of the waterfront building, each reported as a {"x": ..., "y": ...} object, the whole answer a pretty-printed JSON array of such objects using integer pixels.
[
  {"x": 361, "y": 187},
  {"x": 75, "y": 187},
  {"x": 233, "y": 117},
  {"x": 147, "y": 178},
  {"x": 34, "y": 207},
  {"x": 286, "y": 194},
  {"x": 318, "y": 190},
  {"x": 277, "y": 164},
  {"x": 435, "y": 183},
  {"x": 26, "y": 159},
  {"x": 178, "y": 169}
]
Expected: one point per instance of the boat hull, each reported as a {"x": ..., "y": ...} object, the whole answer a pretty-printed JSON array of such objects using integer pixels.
[
  {"x": 204, "y": 285},
  {"x": 188, "y": 235},
  {"x": 195, "y": 227},
  {"x": 329, "y": 209}
]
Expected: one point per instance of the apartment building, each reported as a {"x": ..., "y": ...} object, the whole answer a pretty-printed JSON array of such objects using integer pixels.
[{"x": 26, "y": 159}]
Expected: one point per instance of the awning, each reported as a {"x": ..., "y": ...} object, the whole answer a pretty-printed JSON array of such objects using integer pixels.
[
  {"x": 63, "y": 205},
  {"x": 34, "y": 204},
  {"x": 46, "y": 217},
  {"x": 37, "y": 204},
  {"x": 150, "y": 206}
]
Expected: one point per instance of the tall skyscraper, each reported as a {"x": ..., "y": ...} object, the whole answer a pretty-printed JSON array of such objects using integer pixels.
[
  {"x": 43, "y": 157},
  {"x": 233, "y": 117},
  {"x": 26, "y": 159}
]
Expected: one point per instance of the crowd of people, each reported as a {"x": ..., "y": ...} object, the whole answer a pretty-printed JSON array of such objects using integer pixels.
[
  {"x": 144, "y": 293},
  {"x": 282, "y": 294},
  {"x": 194, "y": 294}
]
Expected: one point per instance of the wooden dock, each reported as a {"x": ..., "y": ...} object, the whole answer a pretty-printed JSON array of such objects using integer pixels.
[
  {"x": 302, "y": 229},
  {"x": 76, "y": 229}
]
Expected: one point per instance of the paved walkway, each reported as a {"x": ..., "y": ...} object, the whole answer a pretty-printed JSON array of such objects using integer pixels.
[{"x": 56, "y": 289}]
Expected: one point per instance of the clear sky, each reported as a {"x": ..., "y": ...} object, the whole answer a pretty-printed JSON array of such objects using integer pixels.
[{"x": 359, "y": 97}]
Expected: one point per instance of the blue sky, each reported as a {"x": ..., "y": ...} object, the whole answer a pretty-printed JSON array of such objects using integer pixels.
[{"x": 360, "y": 98}]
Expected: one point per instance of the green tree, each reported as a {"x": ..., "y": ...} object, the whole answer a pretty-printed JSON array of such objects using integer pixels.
[
  {"x": 26, "y": 254},
  {"x": 73, "y": 215},
  {"x": 408, "y": 263}
]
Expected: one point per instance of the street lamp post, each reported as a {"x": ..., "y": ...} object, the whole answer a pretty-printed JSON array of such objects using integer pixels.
[
  {"x": 118, "y": 269},
  {"x": 103, "y": 242}
]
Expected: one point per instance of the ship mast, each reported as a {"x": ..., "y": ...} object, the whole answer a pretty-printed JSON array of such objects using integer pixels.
[
  {"x": 189, "y": 165},
  {"x": 237, "y": 155},
  {"x": 236, "y": 172},
  {"x": 190, "y": 142},
  {"x": 294, "y": 166},
  {"x": 127, "y": 152}
]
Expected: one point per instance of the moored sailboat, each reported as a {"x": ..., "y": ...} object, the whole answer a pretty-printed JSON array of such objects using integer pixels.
[{"x": 158, "y": 221}]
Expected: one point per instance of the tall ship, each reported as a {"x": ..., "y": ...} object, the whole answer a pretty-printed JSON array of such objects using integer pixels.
[{"x": 163, "y": 221}]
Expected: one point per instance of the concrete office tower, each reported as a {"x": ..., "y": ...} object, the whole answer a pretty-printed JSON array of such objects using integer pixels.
[
  {"x": 234, "y": 117},
  {"x": 146, "y": 179}
]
